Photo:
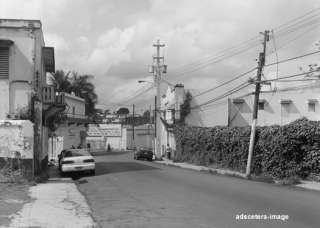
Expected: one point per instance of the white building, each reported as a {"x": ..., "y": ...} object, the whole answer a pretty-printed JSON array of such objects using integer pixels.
[
  {"x": 170, "y": 108},
  {"x": 71, "y": 129},
  {"x": 24, "y": 62},
  {"x": 280, "y": 107}
]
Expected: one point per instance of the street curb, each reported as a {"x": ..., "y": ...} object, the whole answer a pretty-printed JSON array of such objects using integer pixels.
[
  {"x": 58, "y": 179},
  {"x": 307, "y": 185},
  {"x": 204, "y": 169}
]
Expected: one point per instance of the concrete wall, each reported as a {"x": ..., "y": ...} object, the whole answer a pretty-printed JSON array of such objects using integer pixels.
[
  {"x": 104, "y": 134},
  {"x": 118, "y": 143},
  {"x": 71, "y": 134},
  {"x": 16, "y": 145}
]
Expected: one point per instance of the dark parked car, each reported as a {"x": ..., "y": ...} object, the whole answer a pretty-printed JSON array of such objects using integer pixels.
[{"x": 143, "y": 153}]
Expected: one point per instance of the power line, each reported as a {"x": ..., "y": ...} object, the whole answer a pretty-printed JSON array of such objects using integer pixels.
[
  {"x": 298, "y": 80},
  {"x": 297, "y": 18},
  {"x": 225, "y": 83},
  {"x": 209, "y": 57},
  {"x": 289, "y": 76},
  {"x": 293, "y": 58},
  {"x": 137, "y": 95},
  {"x": 303, "y": 33},
  {"x": 298, "y": 25},
  {"x": 284, "y": 31},
  {"x": 225, "y": 56},
  {"x": 228, "y": 93}
]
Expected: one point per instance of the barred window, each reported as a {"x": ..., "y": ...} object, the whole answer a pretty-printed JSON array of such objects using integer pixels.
[{"x": 4, "y": 62}]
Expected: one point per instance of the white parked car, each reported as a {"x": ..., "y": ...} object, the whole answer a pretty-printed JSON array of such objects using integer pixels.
[{"x": 73, "y": 160}]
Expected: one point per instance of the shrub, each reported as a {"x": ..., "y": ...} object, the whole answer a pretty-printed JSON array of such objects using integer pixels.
[{"x": 280, "y": 151}]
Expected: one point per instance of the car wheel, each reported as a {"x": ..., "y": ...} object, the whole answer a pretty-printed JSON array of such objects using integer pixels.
[{"x": 63, "y": 174}]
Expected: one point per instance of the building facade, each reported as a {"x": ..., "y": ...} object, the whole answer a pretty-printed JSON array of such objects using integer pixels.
[
  {"x": 24, "y": 62},
  {"x": 71, "y": 129},
  {"x": 170, "y": 113},
  {"x": 279, "y": 107}
]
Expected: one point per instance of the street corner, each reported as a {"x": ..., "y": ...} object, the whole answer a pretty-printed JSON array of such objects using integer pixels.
[{"x": 54, "y": 204}]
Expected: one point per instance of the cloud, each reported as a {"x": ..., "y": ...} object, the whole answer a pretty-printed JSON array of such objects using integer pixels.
[
  {"x": 113, "y": 39},
  {"x": 58, "y": 42}
]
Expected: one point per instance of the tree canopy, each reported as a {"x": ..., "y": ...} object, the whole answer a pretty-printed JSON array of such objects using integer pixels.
[
  {"x": 123, "y": 111},
  {"x": 79, "y": 85}
]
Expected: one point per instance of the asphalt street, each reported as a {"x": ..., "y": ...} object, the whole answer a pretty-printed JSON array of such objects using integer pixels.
[{"x": 129, "y": 193}]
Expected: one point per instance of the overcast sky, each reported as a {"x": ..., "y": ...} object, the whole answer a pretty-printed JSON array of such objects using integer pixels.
[{"x": 113, "y": 39}]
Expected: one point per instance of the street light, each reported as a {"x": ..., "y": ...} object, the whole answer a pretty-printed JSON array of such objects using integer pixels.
[
  {"x": 141, "y": 81},
  {"x": 162, "y": 80}
]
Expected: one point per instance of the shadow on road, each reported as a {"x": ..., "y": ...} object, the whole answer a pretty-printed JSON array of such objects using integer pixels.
[
  {"x": 105, "y": 168},
  {"x": 118, "y": 167}
]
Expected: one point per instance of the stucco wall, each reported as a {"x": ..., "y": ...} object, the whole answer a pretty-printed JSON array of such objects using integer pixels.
[
  {"x": 4, "y": 98},
  {"x": 240, "y": 114},
  {"x": 16, "y": 145},
  {"x": 71, "y": 134},
  {"x": 276, "y": 113}
]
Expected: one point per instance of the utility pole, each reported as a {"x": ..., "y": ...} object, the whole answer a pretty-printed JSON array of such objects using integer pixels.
[
  {"x": 150, "y": 112},
  {"x": 157, "y": 69},
  {"x": 133, "y": 125},
  {"x": 262, "y": 56},
  {"x": 155, "y": 117}
]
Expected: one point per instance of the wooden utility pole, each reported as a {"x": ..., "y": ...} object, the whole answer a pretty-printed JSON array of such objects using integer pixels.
[
  {"x": 133, "y": 125},
  {"x": 261, "y": 63},
  {"x": 155, "y": 117}
]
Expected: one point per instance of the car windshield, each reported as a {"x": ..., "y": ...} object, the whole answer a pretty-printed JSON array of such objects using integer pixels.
[{"x": 76, "y": 153}]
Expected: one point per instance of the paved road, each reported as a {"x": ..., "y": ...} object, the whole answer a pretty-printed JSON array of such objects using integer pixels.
[{"x": 129, "y": 193}]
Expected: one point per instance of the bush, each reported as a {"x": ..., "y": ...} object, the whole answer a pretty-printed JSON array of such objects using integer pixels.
[{"x": 280, "y": 151}]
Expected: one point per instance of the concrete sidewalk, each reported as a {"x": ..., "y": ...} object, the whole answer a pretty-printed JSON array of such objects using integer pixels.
[
  {"x": 311, "y": 185},
  {"x": 54, "y": 204},
  {"x": 165, "y": 161}
]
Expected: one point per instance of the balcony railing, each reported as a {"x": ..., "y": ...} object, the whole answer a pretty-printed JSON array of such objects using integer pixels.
[{"x": 49, "y": 96}]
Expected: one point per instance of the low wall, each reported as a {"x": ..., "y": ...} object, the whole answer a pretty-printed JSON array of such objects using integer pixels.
[{"x": 16, "y": 146}]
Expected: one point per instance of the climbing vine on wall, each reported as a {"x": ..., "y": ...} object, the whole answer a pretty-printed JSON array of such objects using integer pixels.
[{"x": 185, "y": 108}]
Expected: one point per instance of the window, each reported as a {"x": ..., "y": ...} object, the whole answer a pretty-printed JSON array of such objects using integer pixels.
[
  {"x": 261, "y": 105},
  {"x": 73, "y": 110},
  {"x": 285, "y": 109},
  {"x": 4, "y": 62},
  {"x": 312, "y": 107}
]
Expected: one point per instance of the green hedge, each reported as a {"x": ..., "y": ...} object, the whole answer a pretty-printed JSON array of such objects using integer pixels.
[{"x": 280, "y": 151}]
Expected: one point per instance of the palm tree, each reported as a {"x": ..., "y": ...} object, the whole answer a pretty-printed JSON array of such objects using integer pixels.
[
  {"x": 60, "y": 80},
  {"x": 79, "y": 84}
]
